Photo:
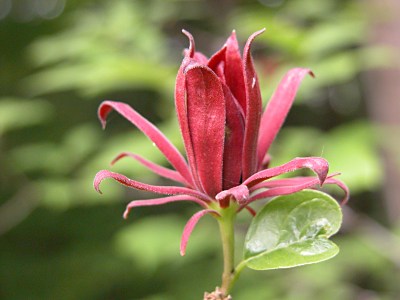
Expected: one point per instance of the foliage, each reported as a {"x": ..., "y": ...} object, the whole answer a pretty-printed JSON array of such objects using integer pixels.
[{"x": 293, "y": 230}]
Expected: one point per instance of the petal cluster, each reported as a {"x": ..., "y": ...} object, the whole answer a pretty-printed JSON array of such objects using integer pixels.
[{"x": 226, "y": 136}]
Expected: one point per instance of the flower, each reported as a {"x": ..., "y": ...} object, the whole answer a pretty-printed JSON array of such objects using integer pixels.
[{"x": 226, "y": 137}]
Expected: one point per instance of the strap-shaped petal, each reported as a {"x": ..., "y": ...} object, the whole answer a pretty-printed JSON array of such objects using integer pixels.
[
  {"x": 251, "y": 210},
  {"x": 157, "y": 169},
  {"x": 314, "y": 182},
  {"x": 166, "y": 190},
  {"x": 181, "y": 107},
  {"x": 187, "y": 231},
  {"x": 152, "y": 132},
  {"x": 197, "y": 56},
  {"x": 200, "y": 58},
  {"x": 287, "y": 186},
  {"x": 343, "y": 186},
  {"x": 233, "y": 70},
  {"x": 160, "y": 201},
  {"x": 277, "y": 109},
  {"x": 206, "y": 121},
  {"x": 288, "y": 181},
  {"x": 283, "y": 182},
  {"x": 216, "y": 63},
  {"x": 282, "y": 190},
  {"x": 233, "y": 147},
  {"x": 252, "y": 112},
  {"x": 192, "y": 47},
  {"x": 234, "y": 127},
  {"x": 240, "y": 193},
  {"x": 318, "y": 165}
]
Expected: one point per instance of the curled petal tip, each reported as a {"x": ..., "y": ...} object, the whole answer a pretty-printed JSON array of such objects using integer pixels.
[
  {"x": 118, "y": 157},
  {"x": 322, "y": 169},
  {"x": 191, "y": 51},
  {"x": 103, "y": 111},
  {"x": 260, "y": 31},
  {"x": 96, "y": 186},
  {"x": 240, "y": 193},
  {"x": 97, "y": 180},
  {"x": 114, "y": 161},
  {"x": 187, "y": 231},
  {"x": 254, "y": 35},
  {"x": 318, "y": 164},
  {"x": 126, "y": 213}
]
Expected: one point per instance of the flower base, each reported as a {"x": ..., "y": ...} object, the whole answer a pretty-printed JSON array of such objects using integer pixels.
[{"x": 216, "y": 295}]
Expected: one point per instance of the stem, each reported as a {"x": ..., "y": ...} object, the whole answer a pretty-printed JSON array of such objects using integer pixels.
[
  {"x": 239, "y": 268},
  {"x": 226, "y": 227}
]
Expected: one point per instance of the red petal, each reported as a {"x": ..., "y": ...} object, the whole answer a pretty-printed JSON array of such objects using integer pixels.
[
  {"x": 289, "y": 181},
  {"x": 166, "y": 190},
  {"x": 253, "y": 111},
  {"x": 284, "y": 182},
  {"x": 282, "y": 190},
  {"x": 343, "y": 186},
  {"x": 234, "y": 70},
  {"x": 251, "y": 211},
  {"x": 159, "y": 170},
  {"x": 152, "y": 132},
  {"x": 191, "y": 51},
  {"x": 240, "y": 193},
  {"x": 234, "y": 127},
  {"x": 216, "y": 63},
  {"x": 161, "y": 201},
  {"x": 200, "y": 58},
  {"x": 181, "y": 107},
  {"x": 278, "y": 108},
  {"x": 317, "y": 164},
  {"x": 190, "y": 226},
  {"x": 233, "y": 147},
  {"x": 287, "y": 186},
  {"x": 197, "y": 57},
  {"x": 206, "y": 121}
]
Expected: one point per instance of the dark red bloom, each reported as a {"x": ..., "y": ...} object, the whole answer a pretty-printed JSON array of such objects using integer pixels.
[{"x": 226, "y": 136}]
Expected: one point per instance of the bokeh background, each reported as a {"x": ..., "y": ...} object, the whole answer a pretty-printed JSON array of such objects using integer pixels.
[{"x": 59, "y": 59}]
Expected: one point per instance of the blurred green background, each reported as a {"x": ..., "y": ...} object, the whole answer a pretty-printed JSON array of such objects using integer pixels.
[{"x": 59, "y": 59}]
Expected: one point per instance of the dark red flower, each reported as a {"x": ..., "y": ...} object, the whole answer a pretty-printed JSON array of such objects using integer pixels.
[{"x": 226, "y": 137}]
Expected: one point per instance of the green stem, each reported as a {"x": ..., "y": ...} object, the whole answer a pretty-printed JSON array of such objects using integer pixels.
[
  {"x": 226, "y": 227},
  {"x": 239, "y": 268}
]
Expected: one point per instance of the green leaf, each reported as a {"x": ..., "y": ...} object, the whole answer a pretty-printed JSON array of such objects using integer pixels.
[
  {"x": 16, "y": 113},
  {"x": 293, "y": 230},
  {"x": 361, "y": 166}
]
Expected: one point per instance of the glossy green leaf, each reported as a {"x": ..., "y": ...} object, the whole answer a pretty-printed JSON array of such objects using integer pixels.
[{"x": 293, "y": 230}]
